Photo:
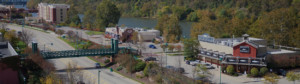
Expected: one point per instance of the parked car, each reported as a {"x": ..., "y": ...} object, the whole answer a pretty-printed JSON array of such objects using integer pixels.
[
  {"x": 150, "y": 59},
  {"x": 187, "y": 62},
  {"x": 194, "y": 63},
  {"x": 180, "y": 70},
  {"x": 152, "y": 46},
  {"x": 170, "y": 67},
  {"x": 208, "y": 66},
  {"x": 97, "y": 65},
  {"x": 282, "y": 72}
]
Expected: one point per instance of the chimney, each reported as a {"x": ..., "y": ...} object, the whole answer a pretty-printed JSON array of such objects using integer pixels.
[{"x": 245, "y": 37}]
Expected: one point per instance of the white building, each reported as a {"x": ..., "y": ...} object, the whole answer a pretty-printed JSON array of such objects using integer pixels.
[
  {"x": 146, "y": 35},
  {"x": 54, "y": 13}
]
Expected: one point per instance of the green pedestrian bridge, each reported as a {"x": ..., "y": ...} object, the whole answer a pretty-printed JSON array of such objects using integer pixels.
[{"x": 79, "y": 53}]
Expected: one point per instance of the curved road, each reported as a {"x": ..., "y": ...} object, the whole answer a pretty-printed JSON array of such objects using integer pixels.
[{"x": 90, "y": 76}]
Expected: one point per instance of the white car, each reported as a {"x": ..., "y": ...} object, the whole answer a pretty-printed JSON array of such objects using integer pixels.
[
  {"x": 194, "y": 63},
  {"x": 208, "y": 66}
]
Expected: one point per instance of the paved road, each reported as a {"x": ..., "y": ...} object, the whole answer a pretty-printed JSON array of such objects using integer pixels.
[
  {"x": 90, "y": 76},
  {"x": 81, "y": 33}
]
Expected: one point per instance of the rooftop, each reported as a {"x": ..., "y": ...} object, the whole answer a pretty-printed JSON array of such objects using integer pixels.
[
  {"x": 281, "y": 51},
  {"x": 6, "y": 50}
]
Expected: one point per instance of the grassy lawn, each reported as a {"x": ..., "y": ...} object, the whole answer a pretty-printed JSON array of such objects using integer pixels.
[
  {"x": 94, "y": 33},
  {"x": 175, "y": 54},
  {"x": 68, "y": 42}
]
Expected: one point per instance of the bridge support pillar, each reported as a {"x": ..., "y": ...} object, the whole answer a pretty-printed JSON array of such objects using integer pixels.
[{"x": 34, "y": 47}]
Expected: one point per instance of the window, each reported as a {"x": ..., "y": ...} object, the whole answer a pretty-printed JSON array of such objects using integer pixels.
[{"x": 244, "y": 49}]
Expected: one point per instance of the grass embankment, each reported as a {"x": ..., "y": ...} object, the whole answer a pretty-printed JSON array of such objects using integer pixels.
[
  {"x": 34, "y": 28},
  {"x": 81, "y": 44},
  {"x": 94, "y": 33}
]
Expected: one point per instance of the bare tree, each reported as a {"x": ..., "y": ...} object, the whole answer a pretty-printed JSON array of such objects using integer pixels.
[
  {"x": 26, "y": 36},
  {"x": 60, "y": 32},
  {"x": 74, "y": 74},
  {"x": 70, "y": 34}
]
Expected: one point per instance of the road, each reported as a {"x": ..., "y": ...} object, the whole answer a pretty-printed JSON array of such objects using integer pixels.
[
  {"x": 90, "y": 76},
  {"x": 81, "y": 33}
]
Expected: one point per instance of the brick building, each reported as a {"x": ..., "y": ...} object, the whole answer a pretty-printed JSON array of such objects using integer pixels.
[
  {"x": 243, "y": 53},
  {"x": 53, "y": 13}
]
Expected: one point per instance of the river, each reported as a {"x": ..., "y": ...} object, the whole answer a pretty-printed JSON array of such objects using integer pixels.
[
  {"x": 149, "y": 23},
  {"x": 137, "y": 22}
]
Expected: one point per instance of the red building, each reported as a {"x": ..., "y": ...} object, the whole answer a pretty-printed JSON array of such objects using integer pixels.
[
  {"x": 243, "y": 53},
  {"x": 245, "y": 49}
]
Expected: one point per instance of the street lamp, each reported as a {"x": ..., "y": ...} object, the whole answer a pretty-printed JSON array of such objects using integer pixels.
[
  {"x": 166, "y": 55},
  {"x": 99, "y": 76}
]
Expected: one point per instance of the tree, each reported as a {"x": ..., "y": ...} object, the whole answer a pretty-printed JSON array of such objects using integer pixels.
[
  {"x": 135, "y": 37},
  {"x": 74, "y": 74},
  {"x": 263, "y": 71},
  {"x": 26, "y": 36},
  {"x": 171, "y": 48},
  {"x": 178, "y": 48},
  {"x": 70, "y": 34},
  {"x": 51, "y": 79},
  {"x": 191, "y": 48},
  {"x": 107, "y": 14},
  {"x": 292, "y": 76},
  {"x": 161, "y": 23},
  {"x": 148, "y": 68},
  {"x": 89, "y": 18},
  {"x": 172, "y": 30},
  {"x": 60, "y": 32},
  {"x": 254, "y": 72},
  {"x": 230, "y": 69},
  {"x": 146, "y": 9},
  {"x": 271, "y": 78},
  {"x": 201, "y": 71}
]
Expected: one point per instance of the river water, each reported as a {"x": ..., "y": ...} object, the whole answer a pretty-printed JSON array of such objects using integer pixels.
[
  {"x": 149, "y": 23},
  {"x": 137, "y": 22}
]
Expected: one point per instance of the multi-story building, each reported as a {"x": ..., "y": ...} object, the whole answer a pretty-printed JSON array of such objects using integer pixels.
[
  {"x": 53, "y": 13},
  {"x": 243, "y": 53}
]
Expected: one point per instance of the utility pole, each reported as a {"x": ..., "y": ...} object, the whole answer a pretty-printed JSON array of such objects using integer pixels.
[{"x": 99, "y": 76}]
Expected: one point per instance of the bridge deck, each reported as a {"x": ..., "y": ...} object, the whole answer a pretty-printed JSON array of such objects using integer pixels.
[{"x": 77, "y": 53}]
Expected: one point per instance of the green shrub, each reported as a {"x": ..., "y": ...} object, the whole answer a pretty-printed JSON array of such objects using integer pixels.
[
  {"x": 139, "y": 76},
  {"x": 190, "y": 59},
  {"x": 147, "y": 68},
  {"x": 230, "y": 69},
  {"x": 235, "y": 74},
  {"x": 254, "y": 72},
  {"x": 107, "y": 61},
  {"x": 119, "y": 68},
  {"x": 139, "y": 66},
  {"x": 263, "y": 71}
]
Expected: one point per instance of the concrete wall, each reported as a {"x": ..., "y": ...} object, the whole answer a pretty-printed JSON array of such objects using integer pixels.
[{"x": 216, "y": 47}]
